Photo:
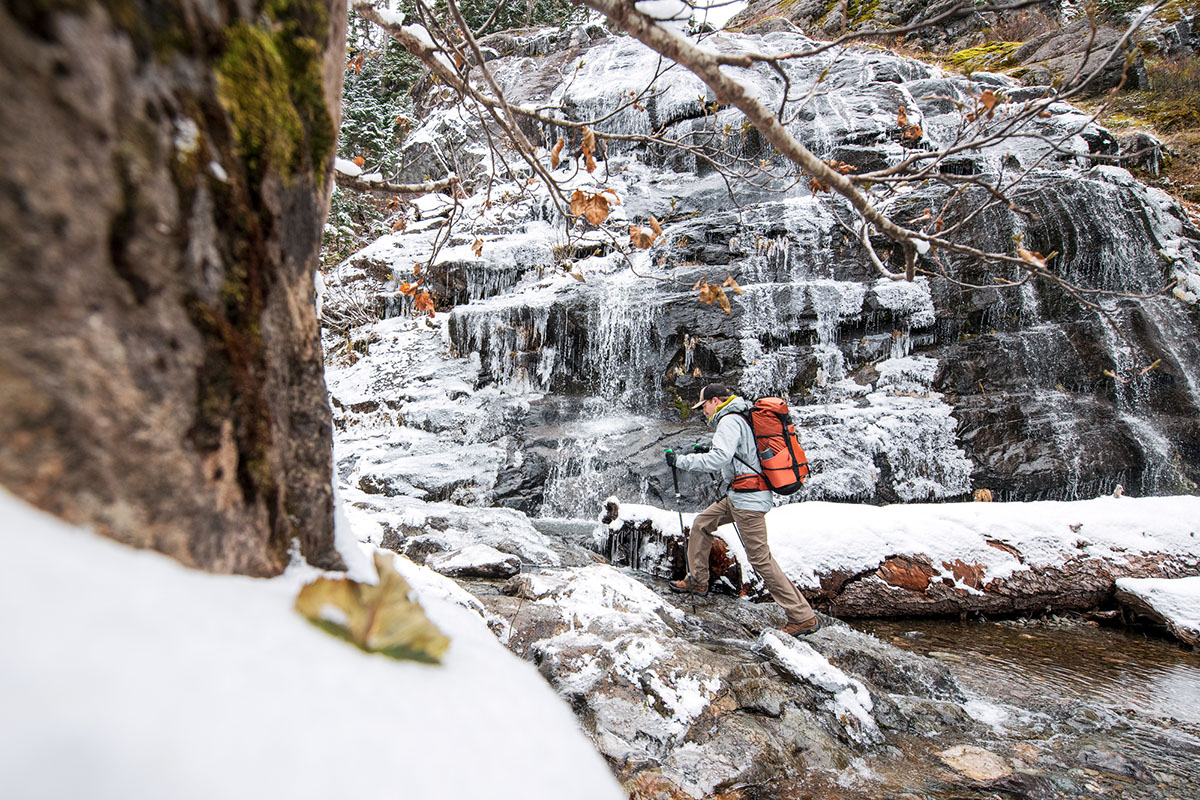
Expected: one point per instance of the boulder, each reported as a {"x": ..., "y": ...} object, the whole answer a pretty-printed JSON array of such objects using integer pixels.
[{"x": 475, "y": 561}]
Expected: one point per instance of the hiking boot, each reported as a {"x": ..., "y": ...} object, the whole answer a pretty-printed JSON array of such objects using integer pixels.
[
  {"x": 685, "y": 587},
  {"x": 801, "y": 628}
]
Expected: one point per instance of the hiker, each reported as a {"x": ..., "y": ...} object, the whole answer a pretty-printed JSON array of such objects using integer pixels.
[{"x": 732, "y": 440}]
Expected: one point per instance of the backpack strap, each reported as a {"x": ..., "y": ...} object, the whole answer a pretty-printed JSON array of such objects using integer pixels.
[{"x": 761, "y": 484}]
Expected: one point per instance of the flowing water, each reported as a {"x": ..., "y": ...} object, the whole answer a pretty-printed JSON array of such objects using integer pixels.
[{"x": 1089, "y": 704}]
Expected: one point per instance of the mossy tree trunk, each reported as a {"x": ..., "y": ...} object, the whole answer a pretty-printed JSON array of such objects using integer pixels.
[{"x": 166, "y": 177}]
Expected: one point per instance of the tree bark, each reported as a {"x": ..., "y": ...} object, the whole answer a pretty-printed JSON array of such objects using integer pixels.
[{"x": 167, "y": 174}]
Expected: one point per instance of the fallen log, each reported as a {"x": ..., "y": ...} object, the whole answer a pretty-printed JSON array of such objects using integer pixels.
[{"x": 936, "y": 560}]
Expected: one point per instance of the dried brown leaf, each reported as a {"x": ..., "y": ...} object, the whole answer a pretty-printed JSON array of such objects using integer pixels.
[
  {"x": 1036, "y": 259},
  {"x": 640, "y": 237},
  {"x": 732, "y": 284},
  {"x": 594, "y": 207},
  {"x": 556, "y": 153},
  {"x": 423, "y": 302},
  {"x": 477, "y": 248},
  {"x": 654, "y": 226},
  {"x": 710, "y": 294},
  {"x": 589, "y": 149},
  {"x": 988, "y": 99}
]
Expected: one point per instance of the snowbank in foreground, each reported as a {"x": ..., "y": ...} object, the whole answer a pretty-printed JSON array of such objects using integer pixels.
[{"x": 125, "y": 675}]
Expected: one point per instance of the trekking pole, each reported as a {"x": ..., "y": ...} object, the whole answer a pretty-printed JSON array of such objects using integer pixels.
[
  {"x": 675, "y": 479},
  {"x": 682, "y": 532}
]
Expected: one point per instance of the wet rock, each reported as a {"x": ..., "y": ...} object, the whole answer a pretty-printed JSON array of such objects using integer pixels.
[
  {"x": 976, "y": 763},
  {"x": 1116, "y": 764},
  {"x": 1076, "y": 52},
  {"x": 841, "y": 696},
  {"x": 708, "y": 700},
  {"x": 1025, "y": 785},
  {"x": 887, "y": 668},
  {"x": 927, "y": 717}
]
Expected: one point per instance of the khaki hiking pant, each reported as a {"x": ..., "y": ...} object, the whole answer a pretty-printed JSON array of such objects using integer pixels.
[{"x": 753, "y": 527}]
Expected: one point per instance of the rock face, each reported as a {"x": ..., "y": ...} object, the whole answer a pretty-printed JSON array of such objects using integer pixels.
[
  {"x": 1049, "y": 41},
  {"x": 707, "y": 701},
  {"x": 168, "y": 173},
  {"x": 902, "y": 391}
]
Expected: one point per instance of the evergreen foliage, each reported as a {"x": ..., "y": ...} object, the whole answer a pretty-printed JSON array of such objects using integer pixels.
[{"x": 377, "y": 109}]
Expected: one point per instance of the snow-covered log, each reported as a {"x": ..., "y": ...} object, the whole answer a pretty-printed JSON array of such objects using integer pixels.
[{"x": 938, "y": 559}]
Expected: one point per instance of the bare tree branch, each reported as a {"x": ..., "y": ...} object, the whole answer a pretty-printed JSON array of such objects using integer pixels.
[{"x": 384, "y": 187}]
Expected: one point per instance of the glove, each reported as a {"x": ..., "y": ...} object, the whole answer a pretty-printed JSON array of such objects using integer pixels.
[
  {"x": 701, "y": 448},
  {"x": 670, "y": 458}
]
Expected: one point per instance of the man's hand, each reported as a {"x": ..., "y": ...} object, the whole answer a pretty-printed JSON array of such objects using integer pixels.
[
  {"x": 701, "y": 448},
  {"x": 670, "y": 454}
]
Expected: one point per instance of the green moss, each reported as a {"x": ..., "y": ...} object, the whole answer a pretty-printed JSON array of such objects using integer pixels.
[
  {"x": 987, "y": 57},
  {"x": 252, "y": 87},
  {"x": 859, "y": 11},
  {"x": 1177, "y": 10},
  {"x": 269, "y": 80}
]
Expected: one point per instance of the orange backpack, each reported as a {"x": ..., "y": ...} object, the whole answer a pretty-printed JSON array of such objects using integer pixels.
[{"x": 783, "y": 466}]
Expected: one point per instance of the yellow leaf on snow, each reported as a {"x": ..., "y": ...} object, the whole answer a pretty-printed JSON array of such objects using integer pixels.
[
  {"x": 378, "y": 618},
  {"x": 477, "y": 248}
]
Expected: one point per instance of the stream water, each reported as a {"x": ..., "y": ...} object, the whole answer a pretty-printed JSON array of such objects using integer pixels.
[{"x": 1112, "y": 711}]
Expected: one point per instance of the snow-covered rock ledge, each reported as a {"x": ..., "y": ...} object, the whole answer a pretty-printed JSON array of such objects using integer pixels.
[
  {"x": 995, "y": 558},
  {"x": 1173, "y": 603}
]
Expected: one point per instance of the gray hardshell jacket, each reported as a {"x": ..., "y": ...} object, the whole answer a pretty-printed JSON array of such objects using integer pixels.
[{"x": 733, "y": 436}]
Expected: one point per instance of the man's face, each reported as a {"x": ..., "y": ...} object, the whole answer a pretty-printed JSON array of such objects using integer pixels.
[{"x": 710, "y": 406}]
